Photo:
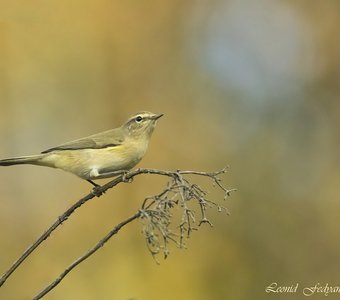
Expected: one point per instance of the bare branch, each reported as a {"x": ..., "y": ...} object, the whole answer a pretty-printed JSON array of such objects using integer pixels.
[
  {"x": 62, "y": 218},
  {"x": 156, "y": 215},
  {"x": 100, "y": 244},
  {"x": 43, "y": 237}
]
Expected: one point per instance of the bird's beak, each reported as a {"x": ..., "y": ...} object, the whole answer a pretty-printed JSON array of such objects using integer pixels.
[{"x": 156, "y": 117}]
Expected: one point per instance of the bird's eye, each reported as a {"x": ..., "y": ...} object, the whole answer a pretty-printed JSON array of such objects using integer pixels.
[{"x": 139, "y": 119}]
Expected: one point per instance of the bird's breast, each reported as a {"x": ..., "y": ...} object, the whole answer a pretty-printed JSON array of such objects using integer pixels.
[{"x": 82, "y": 161}]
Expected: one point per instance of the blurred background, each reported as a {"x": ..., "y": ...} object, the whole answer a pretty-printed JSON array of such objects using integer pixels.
[{"x": 249, "y": 84}]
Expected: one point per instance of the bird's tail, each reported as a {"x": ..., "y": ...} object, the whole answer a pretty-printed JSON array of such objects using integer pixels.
[{"x": 31, "y": 160}]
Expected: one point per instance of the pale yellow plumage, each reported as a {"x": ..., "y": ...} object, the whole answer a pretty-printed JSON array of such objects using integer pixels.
[{"x": 101, "y": 155}]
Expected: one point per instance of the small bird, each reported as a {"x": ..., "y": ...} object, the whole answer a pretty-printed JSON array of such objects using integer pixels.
[{"x": 101, "y": 155}]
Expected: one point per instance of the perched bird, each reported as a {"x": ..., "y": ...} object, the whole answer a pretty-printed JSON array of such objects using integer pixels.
[{"x": 101, "y": 155}]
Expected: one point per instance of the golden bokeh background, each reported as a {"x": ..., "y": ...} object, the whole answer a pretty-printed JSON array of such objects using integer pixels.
[{"x": 251, "y": 84}]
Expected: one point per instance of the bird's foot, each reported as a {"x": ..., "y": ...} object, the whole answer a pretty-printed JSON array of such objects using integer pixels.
[
  {"x": 124, "y": 177},
  {"x": 97, "y": 191}
]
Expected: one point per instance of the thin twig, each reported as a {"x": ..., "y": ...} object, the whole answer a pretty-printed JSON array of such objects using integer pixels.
[
  {"x": 79, "y": 260},
  {"x": 43, "y": 237},
  {"x": 62, "y": 218}
]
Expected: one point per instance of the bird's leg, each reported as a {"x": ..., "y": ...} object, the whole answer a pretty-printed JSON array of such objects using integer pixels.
[
  {"x": 93, "y": 183},
  {"x": 115, "y": 173},
  {"x": 97, "y": 188}
]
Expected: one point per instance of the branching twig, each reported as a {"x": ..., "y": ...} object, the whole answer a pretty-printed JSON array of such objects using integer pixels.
[
  {"x": 157, "y": 211},
  {"x": 156, "y": 214}
]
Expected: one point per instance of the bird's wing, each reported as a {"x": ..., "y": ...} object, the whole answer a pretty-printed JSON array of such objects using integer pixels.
[{"x": 110, "y": 138}]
